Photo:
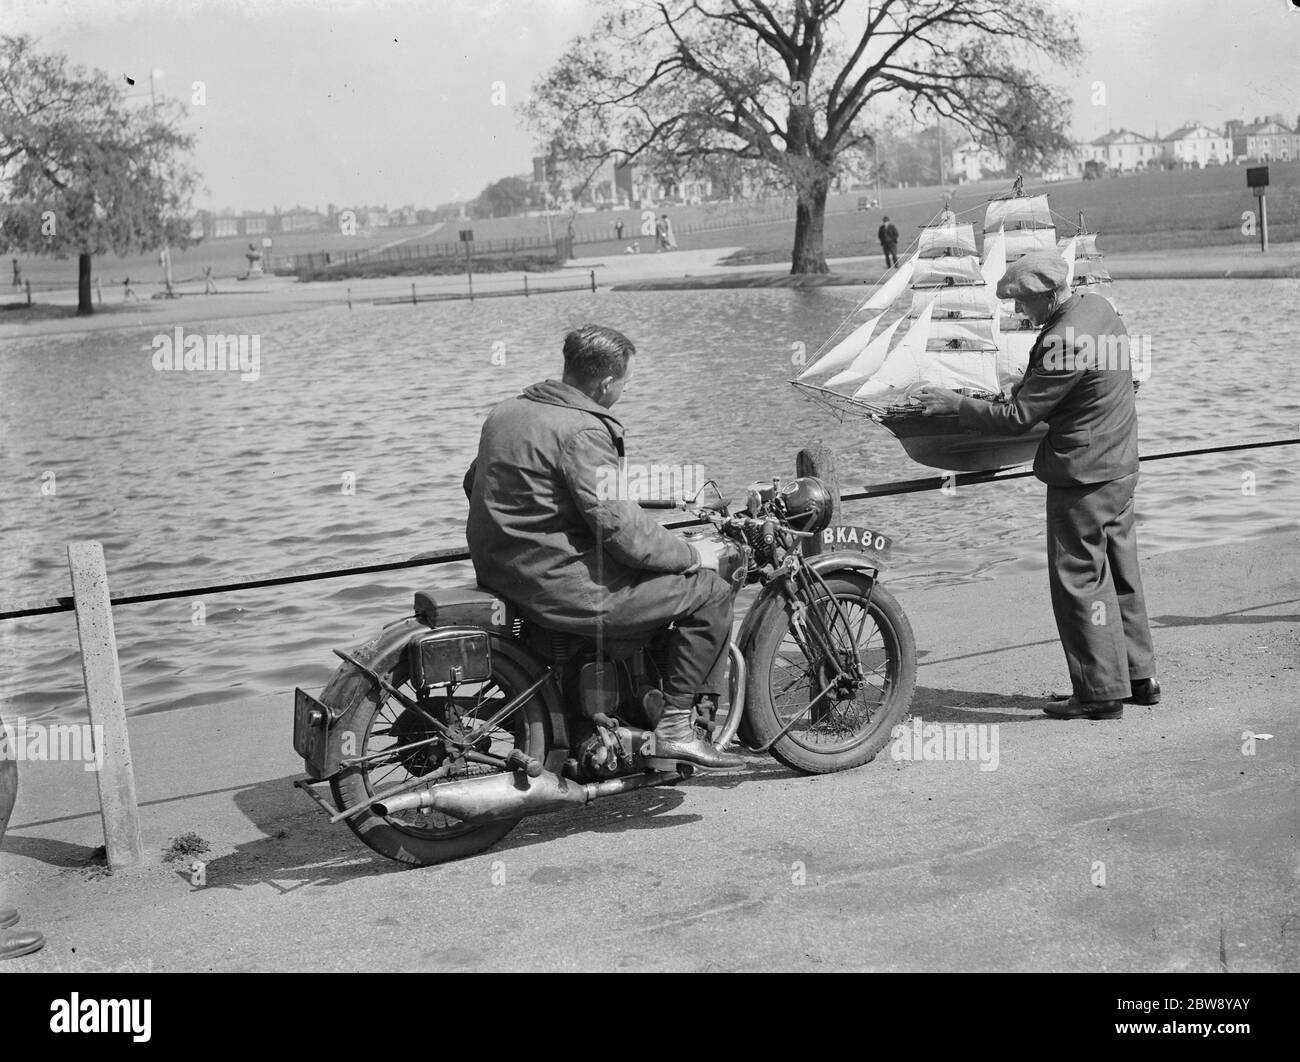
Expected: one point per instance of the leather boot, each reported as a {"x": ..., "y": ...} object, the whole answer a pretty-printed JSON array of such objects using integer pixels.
[
  {"x": 16, "y": 942},
  {"x": 677, "y": 739}
]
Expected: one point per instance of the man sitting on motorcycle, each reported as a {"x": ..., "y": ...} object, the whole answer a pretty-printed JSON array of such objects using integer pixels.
[{"x": 546, "y": 530}]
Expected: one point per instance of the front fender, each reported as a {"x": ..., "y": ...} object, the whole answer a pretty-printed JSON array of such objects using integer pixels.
[
  {"x": 847, "y": 559},
  {"x": 862, "y": 561}
]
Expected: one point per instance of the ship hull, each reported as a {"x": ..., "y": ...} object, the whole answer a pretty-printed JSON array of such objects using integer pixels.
[{"x": 940, "y": 442}]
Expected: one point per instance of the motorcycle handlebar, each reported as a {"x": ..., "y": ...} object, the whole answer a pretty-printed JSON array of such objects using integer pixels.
[{"x": 658, "y": 503}]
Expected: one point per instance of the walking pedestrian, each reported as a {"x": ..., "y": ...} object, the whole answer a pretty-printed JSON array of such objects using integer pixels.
[
  {"x": 887, "y": 234},
  {"x": 209, "y": 285}
]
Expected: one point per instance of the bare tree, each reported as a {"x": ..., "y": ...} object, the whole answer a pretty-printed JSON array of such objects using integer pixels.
[
  {"x": 793, "y": 84},
  {"x": 81, "y": 171}
]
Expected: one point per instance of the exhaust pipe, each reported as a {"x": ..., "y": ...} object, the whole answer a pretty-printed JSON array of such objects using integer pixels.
[{"x": 509, "y": 796}]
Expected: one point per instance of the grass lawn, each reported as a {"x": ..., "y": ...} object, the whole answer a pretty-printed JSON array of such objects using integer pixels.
[{"x": 1192, "y": 208}]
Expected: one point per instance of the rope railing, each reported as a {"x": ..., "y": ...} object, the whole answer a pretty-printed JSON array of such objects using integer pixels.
[{"x": 66, "y": 603}]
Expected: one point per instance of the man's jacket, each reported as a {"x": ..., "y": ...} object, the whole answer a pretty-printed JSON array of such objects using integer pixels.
[
  {"x": 1080, "y": 382},
  {"x": 887, "y": 234},
  {"x": 546, "y": 527}
]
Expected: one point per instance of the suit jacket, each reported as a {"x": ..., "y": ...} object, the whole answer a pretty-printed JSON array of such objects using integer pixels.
[
  {"x": 1079, "y": 380},
  {"x": 546, "y": 527},
  {"x": 887, "y": 235}
]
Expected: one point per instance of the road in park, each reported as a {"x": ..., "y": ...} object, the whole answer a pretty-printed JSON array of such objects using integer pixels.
[{"x": 1164, "y": 841}]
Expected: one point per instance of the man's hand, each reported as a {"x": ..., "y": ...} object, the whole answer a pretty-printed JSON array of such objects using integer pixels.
[
  {"x": 938, "y": 400},
  {"x": 708, "y": 550}
]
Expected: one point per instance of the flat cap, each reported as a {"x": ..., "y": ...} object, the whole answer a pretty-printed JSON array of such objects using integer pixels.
[{"x": 1036, "y": 273}]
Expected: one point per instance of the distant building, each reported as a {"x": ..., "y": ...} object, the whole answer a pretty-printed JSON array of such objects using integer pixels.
[
  {"x": 1123, "y": 151},
  {"x": 971, "y": 161},
  {"x": 1195, "y": 145},
  {"x": 1266, "y": 141}
]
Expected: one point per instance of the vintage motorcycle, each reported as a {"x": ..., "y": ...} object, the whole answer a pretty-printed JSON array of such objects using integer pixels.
[{"x": 442, "y": 732}]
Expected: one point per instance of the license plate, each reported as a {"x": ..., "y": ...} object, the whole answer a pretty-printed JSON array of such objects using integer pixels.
[{"x": 859, "y": 538}]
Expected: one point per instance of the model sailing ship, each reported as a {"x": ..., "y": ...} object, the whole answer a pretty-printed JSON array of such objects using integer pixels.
[{"x": 949, "y": 329}]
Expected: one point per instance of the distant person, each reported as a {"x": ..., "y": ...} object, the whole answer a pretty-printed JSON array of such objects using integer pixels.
[
  {"x": 13, "y": 942},
  {"x": 209, "y": 285},
  {"x": 669, "y": 238},
  {"x": 18, "y": 275},
  {"x": 128, "y": 292},
  {"x": 618, "y": 233},
  {"x": 887, "y": 234},
  {"x": 1089, "y": 461}
]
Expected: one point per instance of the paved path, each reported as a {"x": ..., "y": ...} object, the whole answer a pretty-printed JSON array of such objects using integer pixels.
[{"x": 896, "y": 865}]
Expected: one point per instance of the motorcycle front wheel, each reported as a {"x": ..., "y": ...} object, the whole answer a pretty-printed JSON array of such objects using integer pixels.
[
  {"x": 815, "y": 722},
  {"x": 393, "y": 740}
]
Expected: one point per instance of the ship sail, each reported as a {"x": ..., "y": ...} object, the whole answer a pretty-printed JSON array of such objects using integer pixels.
[
  {"x": 868, "y": 361},
  {"x": 904, "y": 365},
  {"x": 845, "y": 350},
  {"x": 892, "y": 288}
]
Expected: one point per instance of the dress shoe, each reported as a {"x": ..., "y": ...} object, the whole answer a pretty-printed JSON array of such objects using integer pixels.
[
  {"x": 1145, "y": 691},
  {"x": 675, "y": 738},
  {"x": 1077, "y": 709},
  {"x": 15, "y": 942},
  {"x": 8, "y": 917}
]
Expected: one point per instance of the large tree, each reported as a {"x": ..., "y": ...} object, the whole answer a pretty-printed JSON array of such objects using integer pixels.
[
  {"x": 795, "y": 83},
  {"x": 83, "y": 170}
]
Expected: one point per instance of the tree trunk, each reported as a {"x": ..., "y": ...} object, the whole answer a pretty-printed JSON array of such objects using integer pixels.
[
  {"x": 809, "y": 226},
  {"x": 84, "y": 303}
]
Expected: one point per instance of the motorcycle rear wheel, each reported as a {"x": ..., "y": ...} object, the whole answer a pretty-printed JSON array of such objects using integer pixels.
[
  {"x": 786, "y": 673},
  {"x": 424, "y": 837}
]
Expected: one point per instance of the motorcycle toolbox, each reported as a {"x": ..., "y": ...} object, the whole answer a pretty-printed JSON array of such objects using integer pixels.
[{"x": 449, "y": 655}]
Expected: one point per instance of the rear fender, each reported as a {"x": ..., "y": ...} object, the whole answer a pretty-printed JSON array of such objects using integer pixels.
[{"x": 350, "y": 689}]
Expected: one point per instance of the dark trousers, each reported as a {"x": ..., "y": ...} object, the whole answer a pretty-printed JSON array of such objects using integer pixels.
[
  {"x": 891, "y": 254},
  {"x": 1101, "y": 614},
  {"x": 699, "y": 605},
  {"x": 8, "y": 781}
]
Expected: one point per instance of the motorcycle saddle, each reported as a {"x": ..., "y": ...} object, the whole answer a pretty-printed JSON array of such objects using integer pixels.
[
  {"x": 464, "y": 606},
  {"x": 475, "y": 606}
]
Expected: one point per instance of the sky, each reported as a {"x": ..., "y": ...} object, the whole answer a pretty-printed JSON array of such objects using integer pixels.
[{"x": 413, "y": 101}]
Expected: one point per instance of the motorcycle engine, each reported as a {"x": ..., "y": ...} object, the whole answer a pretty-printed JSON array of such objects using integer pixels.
[{"x": 607, "y": 753}]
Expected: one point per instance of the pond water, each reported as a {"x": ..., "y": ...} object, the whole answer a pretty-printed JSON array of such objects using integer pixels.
[{"x": 190, "y": 478}]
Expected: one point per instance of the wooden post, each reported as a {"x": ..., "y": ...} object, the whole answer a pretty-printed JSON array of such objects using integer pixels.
[
  {"x": 818, "y": 460},
  {"x": 29, "y": 293},
  {"x": 99, "y": 668},
  {"x": 349, "y": 298},
  {"x": 1263, "y": 220},
  {"x": 525, "y": 285},
  {"x": 593, "y": 280},
  {"x": 99, "y": 292},
  {"x": 412, "y": 293}
]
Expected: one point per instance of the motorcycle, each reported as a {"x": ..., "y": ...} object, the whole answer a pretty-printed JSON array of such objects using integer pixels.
[{"x": 438, "y": 735}]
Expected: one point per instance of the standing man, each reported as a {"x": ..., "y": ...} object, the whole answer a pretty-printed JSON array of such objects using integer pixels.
[
  {"x": 887, "y": 234},
  {"x": 1089, "y": 461},
  {"x": 546, "y": 531},
  {"x": 618, "y": 229},
  {"x": 18, "y": 275}
]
